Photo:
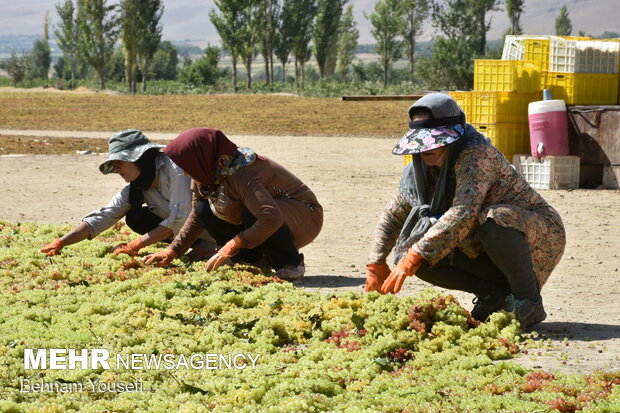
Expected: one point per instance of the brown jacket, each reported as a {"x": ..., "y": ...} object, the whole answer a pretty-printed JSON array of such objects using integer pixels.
[{"x": 272, "y": 194}]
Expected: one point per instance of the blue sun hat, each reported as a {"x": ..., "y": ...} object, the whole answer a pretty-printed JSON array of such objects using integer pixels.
[
  {"x": 128, "y": 145},
  {"x": 446, "y": 127}
]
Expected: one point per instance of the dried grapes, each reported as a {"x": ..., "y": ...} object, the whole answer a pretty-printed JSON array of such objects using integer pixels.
[{"x": 342, "y": 352}]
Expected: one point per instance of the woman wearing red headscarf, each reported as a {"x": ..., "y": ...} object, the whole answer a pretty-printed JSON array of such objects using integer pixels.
[{"x": 259, "y": 212}]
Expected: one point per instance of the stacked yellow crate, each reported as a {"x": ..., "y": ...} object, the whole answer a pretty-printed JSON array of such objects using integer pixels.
[
  {"x": 502, "y": 91},
  {"x": 582, "y": 71}
]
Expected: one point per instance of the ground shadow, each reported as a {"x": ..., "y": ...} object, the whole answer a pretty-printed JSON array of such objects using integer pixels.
[
  {"x": 332, "y": 281},
  {"x": 578, "y": 331}
]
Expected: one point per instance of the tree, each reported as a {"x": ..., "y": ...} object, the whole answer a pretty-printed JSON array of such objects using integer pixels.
[
  {"x": 302, "y": 16},
  {"x": 149, "y": 34},
  {"x": 449, "y": 67},
  {"x": 387, "y": 24},
  {"x": 249, "y": 37},
  {"x": 40, "y": 60},
  {"x": 67, "y": 36},
  {"x": 325, "y": 34},
  {"x": 204, "y": 71},
  {"x": 268, "y": 16},
  {"x": 477, "y": 11},
  {"x": 16, "y": 67},
  {"x": 129, "y": 38},
  {"x": 230, "y": 21},
  {"x": 165, "y": 62},
  {"x": 98, "y": 27},
  {"x": 40, "y": 56},
  {"x": 416, "y": 11},
  {"x": 514, "y": 8},
  {"x": 347, "y": 42},
  {"x": 284, "y": 35},
  {"x": 563, "y": 25}
]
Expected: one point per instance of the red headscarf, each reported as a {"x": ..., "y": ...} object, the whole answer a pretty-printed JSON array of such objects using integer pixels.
[{"x": 201, "y": 152}]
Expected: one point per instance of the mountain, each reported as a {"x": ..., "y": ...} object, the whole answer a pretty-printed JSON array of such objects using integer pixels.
[{"x": 189, "y": 19}]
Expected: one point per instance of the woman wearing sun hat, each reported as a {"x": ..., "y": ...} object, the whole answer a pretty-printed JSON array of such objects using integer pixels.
[
  {"x": 464, "y": 219},
  {"x": 257, "y": 211},
  {"x": 153, "y": 179}
]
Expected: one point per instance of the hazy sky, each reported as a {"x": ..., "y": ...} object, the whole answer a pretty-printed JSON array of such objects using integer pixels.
[{"x": 188, "y": 19}]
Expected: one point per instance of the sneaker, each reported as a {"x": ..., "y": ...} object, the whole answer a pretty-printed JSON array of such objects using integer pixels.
[
  {"x": 292, "y": 272},
  {"x": 485, "y": 305},
  {"x": 528, "y": 312}
]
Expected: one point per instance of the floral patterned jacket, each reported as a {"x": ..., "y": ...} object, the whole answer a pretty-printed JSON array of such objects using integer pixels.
[{"x": 487, "y": 186}]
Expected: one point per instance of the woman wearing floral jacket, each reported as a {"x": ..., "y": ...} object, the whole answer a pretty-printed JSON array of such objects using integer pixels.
[{"x": 464, "y": 219}]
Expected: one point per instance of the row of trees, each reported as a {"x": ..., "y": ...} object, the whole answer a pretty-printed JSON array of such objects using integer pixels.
[
  {"x": 326, "y": 29},
  {"x": 91, "y": 31},
  {"x": 281, "y": 31}
]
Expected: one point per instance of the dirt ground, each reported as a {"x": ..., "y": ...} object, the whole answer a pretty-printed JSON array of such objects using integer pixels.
[{"x": 354, "y": 178}]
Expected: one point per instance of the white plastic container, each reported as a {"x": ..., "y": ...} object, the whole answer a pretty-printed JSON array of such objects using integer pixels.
[
  {"x": 583, "y": 56},
  {"x": 550, "y": 172},
  {"x": 548, "y": 128}
]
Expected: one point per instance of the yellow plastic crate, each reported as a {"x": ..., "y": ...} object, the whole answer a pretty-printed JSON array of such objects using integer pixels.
[
  {"x": 582, "y": 88},
  {"x": 506, "y": 76},
  {"x": 509, "y": 138},
  {"x": 464, "y": 100},
  {"x": 500, "y": 107},
  {"x": 537, "y": 50}
]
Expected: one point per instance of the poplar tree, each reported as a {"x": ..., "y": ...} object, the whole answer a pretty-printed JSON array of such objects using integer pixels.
[
  {"x": 563, "y": 25},
  {"x": 230, "y": 20},
  {"x": 302, "y": 15},
  {"x": 98, "y": 31},
  {"x": 268, "y": 16},
  {"x": 514, "y": 8},
  {"x": 387, "y": 25},
  {"x": 67, "y": 35},
  {"x": 347, "y": 42},
  {"x": 250, "y": 37},
  {"x": 149, "y": 34},
  {"x": 477, "y": 10},
  {"x": 41, "y": 55},
  {"x": 416, "y": 12},
  {"x": 129, "y": 39},
  {"x": 325, "y": 34},
  {"x": 284, "y": 35}
]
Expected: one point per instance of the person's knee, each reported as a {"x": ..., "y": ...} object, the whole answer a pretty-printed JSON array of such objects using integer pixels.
[{"x": 492, "y": 235}]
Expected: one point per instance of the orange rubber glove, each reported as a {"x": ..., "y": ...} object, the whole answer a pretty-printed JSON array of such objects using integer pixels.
[
  {"x": 160, "y": 258},
  {"x": 53, "y": 248},
  {"x": 407, "y": 266},
  {"x": 129, "y": 248},
  {"x": 376, "y": 275},
  {"x": 224, "y": 253}
]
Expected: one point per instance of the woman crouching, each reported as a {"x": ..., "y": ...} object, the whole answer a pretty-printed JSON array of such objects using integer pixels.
[
  {"x": 465, "y": 219},
  {"x": 259, "y": 212}
]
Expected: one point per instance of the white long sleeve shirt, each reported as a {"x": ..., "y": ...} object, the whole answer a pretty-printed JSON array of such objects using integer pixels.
[{"x": 171, "y": 200}]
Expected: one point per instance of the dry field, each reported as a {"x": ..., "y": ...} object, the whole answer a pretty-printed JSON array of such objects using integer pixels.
[{"x": 234, "y": 114}]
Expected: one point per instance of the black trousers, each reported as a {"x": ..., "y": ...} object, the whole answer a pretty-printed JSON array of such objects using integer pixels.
[
  {"x": 505, "y": 266},
  {"x": 279, "y": 249},
  {"x": 142, "y": 220}
]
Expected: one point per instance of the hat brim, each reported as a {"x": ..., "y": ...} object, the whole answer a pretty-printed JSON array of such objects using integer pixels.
[
  {"x": 420, "y": 140},
  {"x": 130, "y": 155}
]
